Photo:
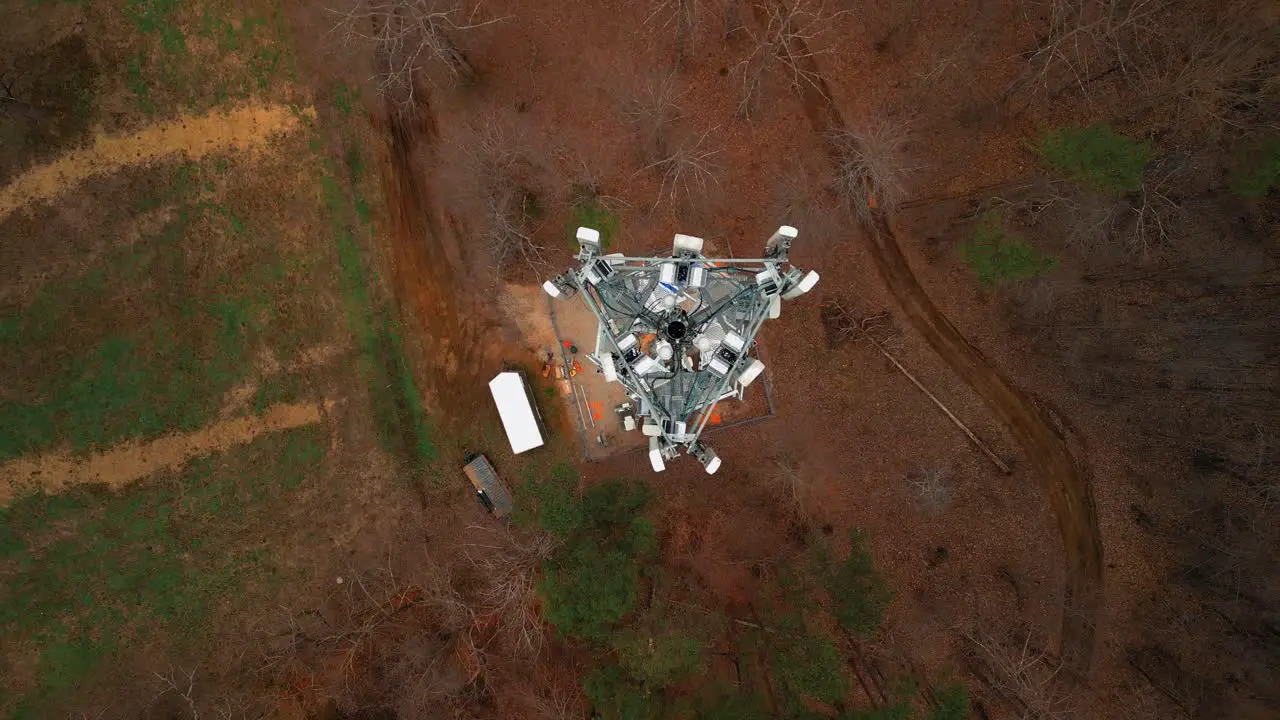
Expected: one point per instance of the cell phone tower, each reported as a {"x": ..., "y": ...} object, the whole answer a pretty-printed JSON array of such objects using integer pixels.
[{"x": 679, "y": 332}]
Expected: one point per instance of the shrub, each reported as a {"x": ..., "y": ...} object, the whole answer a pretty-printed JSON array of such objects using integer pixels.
[
  {"x": 997, "y": 256},
  {"x": 658, "y": 660},
  {"x": 551, "y": 504},
  {"x": 733, "y": 705},
  {"x": 1257, "y": 169},
  {"x": 588, "y": 587},
  {"x": 593, "y": 579},
  {"x": 1097, "y": 157},
  {"x": 858, "y": 592},
  {"x": 809, "y": 665},
  {"x": 952, "y": 703},
  {"x": 616, "y": 697}
]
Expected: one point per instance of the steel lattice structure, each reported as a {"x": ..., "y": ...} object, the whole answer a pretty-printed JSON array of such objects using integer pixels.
[{"x": 679, "y": 332}]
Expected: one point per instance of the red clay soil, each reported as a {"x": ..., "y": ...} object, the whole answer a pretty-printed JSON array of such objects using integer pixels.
[
  {"x": 1064, "y": 478},
  {"x": 428, "y": 267}
]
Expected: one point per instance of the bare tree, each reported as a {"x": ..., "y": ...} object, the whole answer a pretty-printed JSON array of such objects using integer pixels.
[
  {"x": 559, "y": 704},
  {"x": 510, "y": 566},
  {"x": 1151, "y": 215},
  {"x": 1218, "y": 74},
  {"x": 794, "y": 482},
  {"x": 507, "y": 217},
  {"x": 499, "y": 177},
  {"x": 653, "y": 109},
  {"x": 1211, "y": 68},
  {"x": 682, "y": 17},
  {"x": 688, "y": 169},
  {"x": 1080, "y": 219},
  {"x": 402, "y": 645},
  {"x": 182, "y": 684},
  {"x": 409, "y": 38},
  {"x": 1098, "y": 225},
  {"x": 1027, "y": 677},
  {"x": 791, "y": 42},
  {"x": 366, "y": 613},
  {"x": 802, "y": 198},
  {"x": 1084, "y": 41},
  {"x": 932, "y": 486},
  {"x": 871, "y": 167}
]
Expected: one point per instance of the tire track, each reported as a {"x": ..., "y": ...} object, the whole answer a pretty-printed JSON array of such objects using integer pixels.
[
  {"x": 131, "y": 461},
  {"x": 1063, "y": 477},
  {"x": 189, "y": 136},
  {"x": 429, "y": 264}
]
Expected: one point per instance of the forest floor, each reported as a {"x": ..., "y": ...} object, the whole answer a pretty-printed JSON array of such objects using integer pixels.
[{"x": 250, "y": 307}]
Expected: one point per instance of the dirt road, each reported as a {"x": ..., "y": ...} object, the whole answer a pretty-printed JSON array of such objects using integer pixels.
[
  {"x": 430, "y": 267},
  {"x": 1065, "y": 481}
]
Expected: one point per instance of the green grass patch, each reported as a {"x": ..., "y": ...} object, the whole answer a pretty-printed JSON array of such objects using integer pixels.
[
  {"x": 403, "y": 425},
  {"x": 137, "y": 385},
  {"x": 998, "y": 257},
  {"x": 138, "y": 84},
  {"x": 239, "y": 55},
  {"x": 1257, "y": 167},
  {"x": 276, "y": 389},
  {"x": 1097, "y": 157},
  {"x": 92, "y": 368},
  {"x": 589, "y": 210},
  {"x": 90, "y": 572},
  {"x": 345, "y": 99}
]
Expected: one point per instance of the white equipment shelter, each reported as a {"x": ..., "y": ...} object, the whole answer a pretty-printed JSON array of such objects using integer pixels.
[{"x": 512, "y": 398}]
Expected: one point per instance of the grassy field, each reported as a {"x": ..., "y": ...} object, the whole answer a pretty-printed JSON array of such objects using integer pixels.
[
  {"x": 205, "y": 289},
  {"x": 94, "y": 575}
]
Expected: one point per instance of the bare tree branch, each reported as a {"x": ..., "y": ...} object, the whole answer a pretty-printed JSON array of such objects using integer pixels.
[
  {"x": 871, "y": 170},
  {"x": 1027, "y": 677},
  {"x": 408, "y": 38},
  {"x": 688, "y": 170},
  {"x": 498, "y": 176},
  {"x": 510, "y": 567},
  {"x": 183, "y": 685},
  {"x": 792, "y": 38},
  {"x": 1086, "y": 38},
  {"x": 653, "y": 110},
  {"x": 932, "y": 486},
  {"x": 682, "y": 17}
]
